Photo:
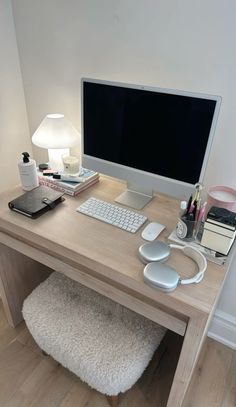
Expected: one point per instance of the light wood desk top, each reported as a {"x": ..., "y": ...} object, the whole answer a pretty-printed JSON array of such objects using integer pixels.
[{"x": 105, "y": 258}]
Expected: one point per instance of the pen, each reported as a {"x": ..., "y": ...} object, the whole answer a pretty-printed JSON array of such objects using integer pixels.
[
  {"x": 198, "y": 207},
  {"x": 190, "y": 225},
  {"x": 189, "y": 204},
  {"x": 201, "y": 212},
  {"x": 198, "y": 189},
  {"x": 192, "y": 208},
  {"x": 70, "y": 178}
]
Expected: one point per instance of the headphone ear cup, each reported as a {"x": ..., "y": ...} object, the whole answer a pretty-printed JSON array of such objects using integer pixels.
[
  {"x": 154, "y": 251},
  {"x": 161, "y": 276}
]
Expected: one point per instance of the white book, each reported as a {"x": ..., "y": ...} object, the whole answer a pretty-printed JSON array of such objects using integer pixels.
[{"x": 215, "y": 241}]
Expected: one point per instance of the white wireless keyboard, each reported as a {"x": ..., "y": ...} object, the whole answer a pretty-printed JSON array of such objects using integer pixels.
[{"x": 113, "y": 214}]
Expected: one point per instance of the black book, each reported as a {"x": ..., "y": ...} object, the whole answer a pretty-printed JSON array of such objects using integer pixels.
[{"x": 37, "y": 201}]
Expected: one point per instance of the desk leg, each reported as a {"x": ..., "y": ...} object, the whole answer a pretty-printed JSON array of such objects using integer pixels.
[
  {"x": 193, "y": 340},
  {"x": 19, "y": 275}
]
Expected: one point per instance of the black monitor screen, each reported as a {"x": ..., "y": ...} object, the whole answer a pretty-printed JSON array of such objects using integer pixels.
[{"x": 157, "y": 132}]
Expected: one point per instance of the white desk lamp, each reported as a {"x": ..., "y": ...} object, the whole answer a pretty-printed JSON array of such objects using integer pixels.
[{"x": 56, "y": 134}]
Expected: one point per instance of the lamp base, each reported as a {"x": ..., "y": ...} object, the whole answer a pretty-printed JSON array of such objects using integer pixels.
[{"x": 55, "y": 157}]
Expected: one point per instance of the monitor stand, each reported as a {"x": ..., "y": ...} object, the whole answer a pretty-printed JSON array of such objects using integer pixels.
[{"x": 135, "y": 197}]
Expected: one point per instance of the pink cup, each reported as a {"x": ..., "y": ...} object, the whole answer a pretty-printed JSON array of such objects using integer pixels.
[{"x": 222, "y": 197}]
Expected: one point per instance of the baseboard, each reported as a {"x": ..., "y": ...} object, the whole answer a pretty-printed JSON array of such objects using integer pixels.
[{"x": 223, "y": 329}]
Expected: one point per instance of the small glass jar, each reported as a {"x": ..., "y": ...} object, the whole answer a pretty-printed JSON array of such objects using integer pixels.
[{"x": 71, "y": 164}]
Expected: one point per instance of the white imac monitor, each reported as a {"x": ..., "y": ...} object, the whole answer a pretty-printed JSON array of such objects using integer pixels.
[{"x": 157, "y": 140}]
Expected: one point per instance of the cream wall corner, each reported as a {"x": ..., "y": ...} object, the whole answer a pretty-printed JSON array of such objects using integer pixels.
[{"x": 14, "y": 131}]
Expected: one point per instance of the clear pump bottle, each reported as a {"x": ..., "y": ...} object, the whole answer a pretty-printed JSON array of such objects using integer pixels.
[{"x": 28, "y": 172}]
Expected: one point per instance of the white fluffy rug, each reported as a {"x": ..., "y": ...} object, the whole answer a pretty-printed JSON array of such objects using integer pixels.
[{"x": 102, "y": 342}]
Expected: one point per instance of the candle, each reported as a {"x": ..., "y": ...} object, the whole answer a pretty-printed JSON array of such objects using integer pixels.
[{"x": 71, "y": 164}]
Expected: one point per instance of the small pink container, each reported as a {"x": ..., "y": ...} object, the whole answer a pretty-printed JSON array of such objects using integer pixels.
[{"x": 222, "y": 197}]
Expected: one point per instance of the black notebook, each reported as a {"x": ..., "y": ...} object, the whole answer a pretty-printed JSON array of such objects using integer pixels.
[{"x": 34, "y": 203}]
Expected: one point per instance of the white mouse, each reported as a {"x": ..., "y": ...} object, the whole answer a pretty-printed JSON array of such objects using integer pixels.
[{"x": 152, "y": 230}]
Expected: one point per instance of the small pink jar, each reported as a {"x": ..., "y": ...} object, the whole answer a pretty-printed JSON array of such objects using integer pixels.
[{"x": 222, "y": 197}]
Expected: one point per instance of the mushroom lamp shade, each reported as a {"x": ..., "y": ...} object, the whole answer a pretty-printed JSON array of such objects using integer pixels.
[{"x": 56, "y": 134}]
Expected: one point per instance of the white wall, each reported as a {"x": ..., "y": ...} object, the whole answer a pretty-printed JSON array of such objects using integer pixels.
[
  {"x": 186, "y": 44},
  {"x": 14, "y": 131}
]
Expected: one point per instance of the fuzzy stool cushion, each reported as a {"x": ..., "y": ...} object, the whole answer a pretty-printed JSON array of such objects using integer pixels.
[{"x": 105, "y": 344}]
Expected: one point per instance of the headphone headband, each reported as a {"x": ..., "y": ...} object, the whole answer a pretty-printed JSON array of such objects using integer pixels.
[{"x": 196, "y": 256}]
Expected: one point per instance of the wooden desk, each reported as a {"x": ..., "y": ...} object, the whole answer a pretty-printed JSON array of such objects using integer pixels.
[{"x": 105, "y": 258}]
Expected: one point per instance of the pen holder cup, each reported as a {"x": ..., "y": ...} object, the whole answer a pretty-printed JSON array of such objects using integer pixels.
[{"x": 187, "y": 230}]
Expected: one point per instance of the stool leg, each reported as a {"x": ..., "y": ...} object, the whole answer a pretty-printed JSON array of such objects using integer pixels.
[{"x": 113, "y": 400}]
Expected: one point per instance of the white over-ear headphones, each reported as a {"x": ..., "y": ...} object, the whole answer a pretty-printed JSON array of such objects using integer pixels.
[{"x": 165, "y": 277}]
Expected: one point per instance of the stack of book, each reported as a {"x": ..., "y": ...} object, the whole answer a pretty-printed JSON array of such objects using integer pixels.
[{"x": 86, "y": 179}]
